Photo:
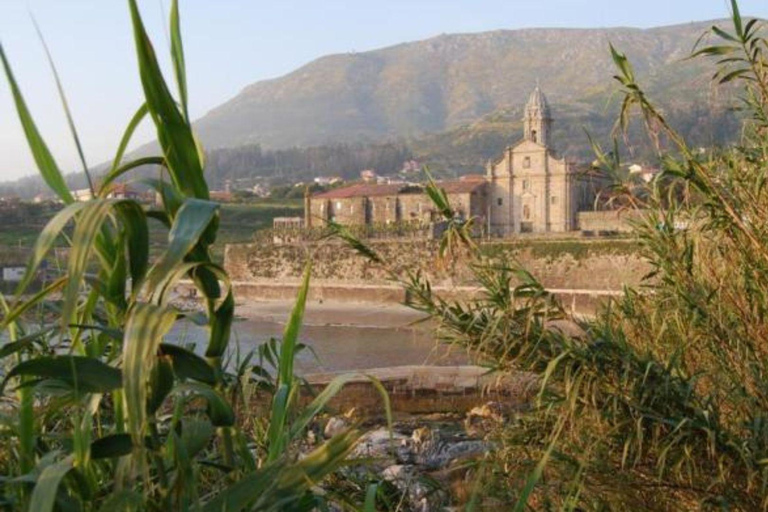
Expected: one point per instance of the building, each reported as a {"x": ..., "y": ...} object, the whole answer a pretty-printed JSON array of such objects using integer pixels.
[
  {"x": 527, "y": 189},
  {"x": 382, "y": 204},
  {"x": 532, "y": 189},
  {"x": 123, "y": 191},
  {"x": 82, "y": 195}
]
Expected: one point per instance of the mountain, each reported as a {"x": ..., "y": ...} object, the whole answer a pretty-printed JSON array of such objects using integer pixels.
[
  {"x": 442, "y": 84},
  {"x": 452, "y": 102}
]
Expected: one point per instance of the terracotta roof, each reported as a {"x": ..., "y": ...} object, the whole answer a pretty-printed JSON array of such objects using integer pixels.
[
  {"x": 361, "y": 190},
  {"x": 371, "y": 190},
  {"x": 461, "y": 187}
]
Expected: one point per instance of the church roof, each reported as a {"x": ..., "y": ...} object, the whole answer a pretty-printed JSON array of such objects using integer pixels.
[
  {"x": 374, "y": 190},
  {"x": 537, "y": 103}
]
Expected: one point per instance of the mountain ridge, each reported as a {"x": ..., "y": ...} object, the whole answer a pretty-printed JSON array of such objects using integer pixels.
[{"x": 423, "y": 87}]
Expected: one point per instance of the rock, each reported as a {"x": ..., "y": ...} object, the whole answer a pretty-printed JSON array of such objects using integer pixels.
[
  {"x": 407, "y": 479},
  {"x": 484, "y": 418},
  {"x": 439, "y": 454},
  {"x": 379, "y": 444},
  {"x": 335, "y": 426}
]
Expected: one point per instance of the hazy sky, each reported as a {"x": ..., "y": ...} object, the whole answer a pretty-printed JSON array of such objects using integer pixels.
[{"x": 231, "y": 43}]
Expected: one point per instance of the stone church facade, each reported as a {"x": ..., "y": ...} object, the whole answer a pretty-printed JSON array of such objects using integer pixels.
[{"x": 532, "y": 190}]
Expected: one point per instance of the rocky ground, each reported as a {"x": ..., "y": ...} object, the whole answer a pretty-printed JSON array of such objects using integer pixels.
[{"x": 427, "y": 460}]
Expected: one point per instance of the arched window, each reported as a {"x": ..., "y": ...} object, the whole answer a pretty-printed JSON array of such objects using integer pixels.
[
  {"x": 535, "y": 136},
  {"x": 527, "y": 162}
]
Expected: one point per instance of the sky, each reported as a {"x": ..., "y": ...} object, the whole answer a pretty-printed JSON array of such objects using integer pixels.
[{"x": 232, "y": 43}]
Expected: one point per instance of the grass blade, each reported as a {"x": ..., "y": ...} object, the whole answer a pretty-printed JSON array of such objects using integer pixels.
[
  {"x": 292, "y": 328},
  {"x": 177, "y": 54},
  {"x": 189, "y": 225},
  {"x": 47, "y": 486},
  {"x": 144, "y": 330},
  {"x": 65, "y": 104},
  {"x": 40, "y": 152},
  {"x": 173, "y": 130}
]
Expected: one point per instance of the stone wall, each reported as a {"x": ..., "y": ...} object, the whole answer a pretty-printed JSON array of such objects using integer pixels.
[
  {"x": 607, "y": 222},
  {"x": 568, "y": 264}
]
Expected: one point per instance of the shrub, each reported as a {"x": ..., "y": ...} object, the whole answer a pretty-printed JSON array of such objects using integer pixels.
[{"x": 103, "y": 412}]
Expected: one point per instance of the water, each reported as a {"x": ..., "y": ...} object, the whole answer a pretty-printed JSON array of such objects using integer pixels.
[{"x": 342, "y": 337}]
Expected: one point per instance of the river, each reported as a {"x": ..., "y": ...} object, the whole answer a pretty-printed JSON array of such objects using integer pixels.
[{"x": 342, "y": 336}]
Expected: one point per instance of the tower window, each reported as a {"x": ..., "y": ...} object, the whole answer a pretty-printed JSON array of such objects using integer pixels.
[
  {"x": 535, "y": 136},
  {"x": 527, "y": 162},
  {"x": 500, "y": 201}
]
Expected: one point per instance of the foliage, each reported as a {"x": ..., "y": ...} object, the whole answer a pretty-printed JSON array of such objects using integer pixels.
[
  {"x": 101, "y": 412},
  {"x": 659, "y": 402}
]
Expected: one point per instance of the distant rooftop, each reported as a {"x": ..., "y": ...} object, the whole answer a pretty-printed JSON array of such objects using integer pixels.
[{"x": 375, "y": 190}]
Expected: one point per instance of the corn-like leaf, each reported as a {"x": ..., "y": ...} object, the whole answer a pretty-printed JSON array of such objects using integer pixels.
[
  {"x": 190, "y": 223},
  {"x": 292, "y": 328},
  {"x": 188, "y": 365},
  {"x": 106, "y": 185},
  {"x": 87, "y": 229},
  {"x": 160, "y": 384},
  {"x": 45, "y": 241},
  {"x": 40, "y": 152},
  {"x": 65, "y": 105},
  {"x": 134, "y": 222},
  {"x": 332, "y": 389},
  {"x": 145, "y": 327},
  {"x": 316, "y": 465},
  {"x": 177, "y": 55},
  {"x": 196, "y": 434},
  {"x": 172, "y": 199},
  {"x": 22, "y": 343},
  {"x": 244, "y": 492},
  {"x": 30, "y": 302},
  {"x": 82, "y": 374},
  {"x": 173, "y": 130},
  {"x": 137, "y": 118},
  {"x": 219, "y": 410},
  {"x": 115, "y": 445},
  {"x": 123, "y": 501},
  {"x": 47, "y": 486},
  {"x": 221, "y": 325}
]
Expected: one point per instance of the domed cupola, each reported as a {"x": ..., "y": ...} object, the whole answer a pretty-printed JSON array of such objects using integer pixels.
[{"x": 538, "y": 120}]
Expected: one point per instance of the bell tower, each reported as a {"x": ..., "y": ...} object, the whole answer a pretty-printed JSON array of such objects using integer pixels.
[{"x": 538, "y": 120}]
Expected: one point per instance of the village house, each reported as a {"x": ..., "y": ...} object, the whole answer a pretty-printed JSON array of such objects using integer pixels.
[{"x": 371, "y": 204}]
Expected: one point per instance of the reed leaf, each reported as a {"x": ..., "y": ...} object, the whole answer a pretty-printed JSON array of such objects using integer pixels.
[
  {"x": 40, "y": 152},
  {"x": 191, "y": 221},
  {"x": 173, "y": 130},
  {"x": 145, "y": 327},
  {"x": 47, "y": 485}
]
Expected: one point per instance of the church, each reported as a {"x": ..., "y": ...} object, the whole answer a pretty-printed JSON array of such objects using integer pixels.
[
  {"x": 528, "y": 189},
  {"x": 532, "y": 190}
]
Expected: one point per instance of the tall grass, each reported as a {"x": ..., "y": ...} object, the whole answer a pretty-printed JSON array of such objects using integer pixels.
[
  {"x": 105, "y": 414},
  {"x": 660, "y": 403}
]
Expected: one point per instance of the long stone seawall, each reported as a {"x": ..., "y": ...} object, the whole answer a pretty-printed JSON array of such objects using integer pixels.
[{"x": 562, "y": 264}]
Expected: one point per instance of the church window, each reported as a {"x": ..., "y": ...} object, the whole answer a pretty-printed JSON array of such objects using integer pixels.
[
  {"x": 535, "y": 136},
  {"x": 527, "y": 162},
  {"x": 500, "y": 201}
]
